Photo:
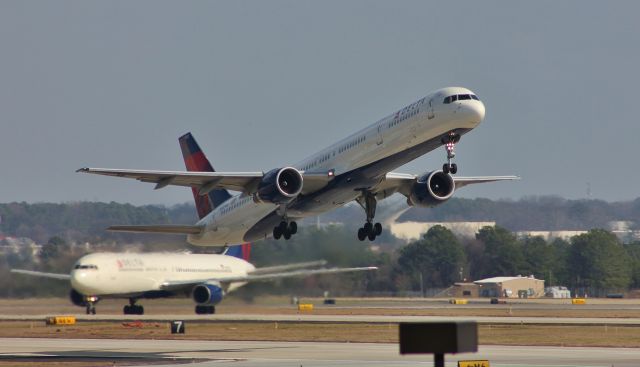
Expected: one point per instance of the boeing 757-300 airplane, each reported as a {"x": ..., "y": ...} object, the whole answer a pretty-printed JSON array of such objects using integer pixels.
[
  {"x": 206, "y": 278},
  {"x": 358, "y": 167}
]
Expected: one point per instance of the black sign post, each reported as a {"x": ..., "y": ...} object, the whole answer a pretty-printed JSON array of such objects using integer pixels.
[{"x": 438, "y": 338}]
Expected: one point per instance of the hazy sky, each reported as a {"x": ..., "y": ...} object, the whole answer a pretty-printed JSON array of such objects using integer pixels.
[{"x": 266, "y": 83}]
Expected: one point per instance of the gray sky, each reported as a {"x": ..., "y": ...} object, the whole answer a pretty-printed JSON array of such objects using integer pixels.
[{"x": 266, "y": 83}]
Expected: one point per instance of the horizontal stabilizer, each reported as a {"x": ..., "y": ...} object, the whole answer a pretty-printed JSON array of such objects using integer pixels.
[
  {"x": 42, "y": 274},
  {"x": 160, "y": 228}
]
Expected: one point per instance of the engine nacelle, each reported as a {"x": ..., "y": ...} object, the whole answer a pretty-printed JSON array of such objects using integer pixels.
[
  {"x": 207, "y": 294},
  {"x": 279, "y": 186},
  {"x": 431, "y": 189}
]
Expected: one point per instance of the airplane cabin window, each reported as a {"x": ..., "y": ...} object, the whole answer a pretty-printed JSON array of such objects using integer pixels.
[
  {"x": 473, "y": 96},
  {"x": 454, "y": 98},
  {"x": 464, "y": 97}
]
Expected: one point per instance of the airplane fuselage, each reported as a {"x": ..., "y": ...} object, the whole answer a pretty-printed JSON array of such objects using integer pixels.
[
  {"x": 355, "y": 163},
  {"x": 139, "y": 275}
]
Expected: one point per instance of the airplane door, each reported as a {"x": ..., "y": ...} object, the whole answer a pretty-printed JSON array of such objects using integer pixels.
[
  {"x": 430, "y": 112},
  {"x": 379, "y": 140}
]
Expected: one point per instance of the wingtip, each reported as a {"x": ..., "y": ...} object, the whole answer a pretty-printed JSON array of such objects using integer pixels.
[{"x": 83, "y": 169}]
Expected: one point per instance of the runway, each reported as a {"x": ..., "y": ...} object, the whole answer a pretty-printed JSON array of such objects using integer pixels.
[
  {"x": 346, "y": 319},
  {"x": 268, "y": 354}
]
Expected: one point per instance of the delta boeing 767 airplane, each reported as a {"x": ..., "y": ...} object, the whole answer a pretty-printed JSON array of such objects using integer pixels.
[
  {"x": 358, "y": 167},
  {"x": 206, "y": 278}
]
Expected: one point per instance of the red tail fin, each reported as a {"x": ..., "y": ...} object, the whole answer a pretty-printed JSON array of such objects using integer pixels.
[{"x": 196, "y": 161}]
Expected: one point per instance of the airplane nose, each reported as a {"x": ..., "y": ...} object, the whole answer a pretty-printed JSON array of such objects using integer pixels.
[
  {"x": 80, "y": 280},
  {"x": 478, "y": 111},
  {"x": 473, "y": 112}
]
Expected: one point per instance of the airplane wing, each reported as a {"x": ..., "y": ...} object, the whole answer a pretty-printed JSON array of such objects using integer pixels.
[
  {"x": 159, "y": 228},
  {"x": 251, "y": 277},
  {"x": 280, "y": 268},
  {"x": 42, "y": 274},
  {"x": 402, "y": 182},
  {"x": 206, "y": 181}
]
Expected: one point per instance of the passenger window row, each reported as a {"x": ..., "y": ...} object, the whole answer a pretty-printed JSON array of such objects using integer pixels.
[
  {"x": 396, "y": 120},
  {"x": 460, "y": 97}
]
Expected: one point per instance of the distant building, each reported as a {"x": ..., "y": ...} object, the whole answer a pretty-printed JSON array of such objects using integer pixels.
[
  {"x": 549, "y": 235},
  {"x": 411, "y": 231},
  {"x": 511, "y": 287}
]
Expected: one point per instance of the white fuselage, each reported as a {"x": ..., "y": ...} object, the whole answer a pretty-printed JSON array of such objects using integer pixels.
[
  {"x": 414, "y": 124},
  {"x": 125, "y": 274}
]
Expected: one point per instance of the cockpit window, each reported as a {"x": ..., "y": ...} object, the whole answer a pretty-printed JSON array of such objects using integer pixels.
[
  {"x": 460, "y": 97},
  {"x": 80, "y": 266}
]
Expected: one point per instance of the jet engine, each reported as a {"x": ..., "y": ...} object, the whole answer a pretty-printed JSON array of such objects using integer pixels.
[
  {"x": 431, "y": 189},
  {"x": 207, "y": 294},
  {"x": 279, "y": 186}
]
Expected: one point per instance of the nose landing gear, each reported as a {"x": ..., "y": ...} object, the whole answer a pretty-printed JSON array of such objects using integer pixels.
[
  {"x": 285, "y": 229},
  {"x": 449, "y": 142}
]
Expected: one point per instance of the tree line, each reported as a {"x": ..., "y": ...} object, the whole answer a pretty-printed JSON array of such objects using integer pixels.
[
  {"x": 86, "y": 221},
  {"x": 596, "y": 262}
]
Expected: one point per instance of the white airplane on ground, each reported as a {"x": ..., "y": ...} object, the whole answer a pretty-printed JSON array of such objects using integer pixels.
[
  {"x": 357, "y": 167},
  {"x": 206, "y": 278}
]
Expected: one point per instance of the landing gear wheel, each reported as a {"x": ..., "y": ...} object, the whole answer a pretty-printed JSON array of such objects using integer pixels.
[
  {"x": 287, "y": 235},
  {"x": 368, "y": 227},
  {"x": 293, "y": 227},
  {"x": 377, "y": 228},
  {"x": 445, "y": 169},
  {"x": 362, "y": 234},
  {"x": 371, "y": 236},
  {"x": 205, "y": 310},
  {"x": 283, "y": 226},
  {"x": 126, "y": 310},
  {"x": 90, "y": 309},
  {"x": 277, "y": 233},
  {"x": 454, "y": 168}
]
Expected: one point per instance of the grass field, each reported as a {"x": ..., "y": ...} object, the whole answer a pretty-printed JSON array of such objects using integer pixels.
[{"x": 552, "y": 335}]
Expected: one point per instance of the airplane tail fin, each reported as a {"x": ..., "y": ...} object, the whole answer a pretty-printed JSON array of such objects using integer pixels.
[
  {"x": 195, "y": 160},
  {"x": 240, "y": 251}
]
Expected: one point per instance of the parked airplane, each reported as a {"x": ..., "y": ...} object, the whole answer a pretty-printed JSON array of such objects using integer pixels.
[
  {"x": 206, "y": 278},
  {"x": 357, "y": 167}
]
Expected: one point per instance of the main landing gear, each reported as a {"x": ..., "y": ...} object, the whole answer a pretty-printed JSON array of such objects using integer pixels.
[
  {"x": 285, "y": 229},
  {"x": 90, "y": 308},
  {"x": 369, "y": 230},
  {"x": 449, "y": 142},
  {"x": 132, "y": 308},
  {"x": 205, "y": 310}
]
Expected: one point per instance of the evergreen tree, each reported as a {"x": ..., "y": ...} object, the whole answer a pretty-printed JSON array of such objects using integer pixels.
[
  {"x": 502, "y": 253},
  {"x": 438, "y": 257},
  {"x": 598, "y": 260}
]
